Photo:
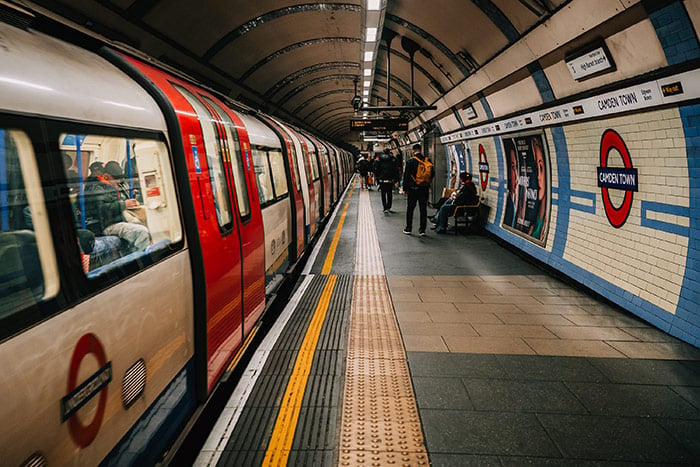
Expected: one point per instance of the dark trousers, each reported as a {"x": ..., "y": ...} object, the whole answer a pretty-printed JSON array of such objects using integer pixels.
[
  {"x": 420, "y": 196},
  {"x": 387, "y": 189}
]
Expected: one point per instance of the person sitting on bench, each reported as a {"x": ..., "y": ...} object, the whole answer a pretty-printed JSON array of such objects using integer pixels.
[{"x": 465, "y": 196}]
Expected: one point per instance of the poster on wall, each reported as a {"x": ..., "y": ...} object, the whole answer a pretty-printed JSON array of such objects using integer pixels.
[
  {"x": 453, "y": 164},
  {"x": 528, "y": 196}
]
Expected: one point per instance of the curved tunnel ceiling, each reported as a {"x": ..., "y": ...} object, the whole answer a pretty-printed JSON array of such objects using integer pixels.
[{"x": 298, "y": 60}]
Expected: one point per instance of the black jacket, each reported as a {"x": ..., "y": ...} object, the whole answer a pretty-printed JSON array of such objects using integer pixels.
[
  {"x": 363, "y": 166},
  {"x": 409, "y": 173},
  {"x": 466, "y": 195},
  {"x": 102, "y": 206},
  {"x": 385, "y": 169}
]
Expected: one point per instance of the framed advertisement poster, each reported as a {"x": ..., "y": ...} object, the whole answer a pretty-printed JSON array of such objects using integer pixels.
[{"x": 528, "y": 197}]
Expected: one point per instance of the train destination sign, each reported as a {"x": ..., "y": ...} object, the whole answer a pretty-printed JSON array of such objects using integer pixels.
[{"x": 379, "y": 124}]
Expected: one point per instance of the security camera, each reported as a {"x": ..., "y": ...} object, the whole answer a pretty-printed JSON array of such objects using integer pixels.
[{"x": 357, "y": 103}]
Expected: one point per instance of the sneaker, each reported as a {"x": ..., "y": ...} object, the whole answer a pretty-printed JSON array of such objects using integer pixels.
[
  {"x": 386, "y": 211},
  {"x": 422, "y": 234},
  {"x": 407, "y": 232},
  {"x": 440, "y": 231}
]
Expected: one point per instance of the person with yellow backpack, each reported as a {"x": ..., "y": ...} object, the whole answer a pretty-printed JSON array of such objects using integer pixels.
[{"x": 417, "y": 177}]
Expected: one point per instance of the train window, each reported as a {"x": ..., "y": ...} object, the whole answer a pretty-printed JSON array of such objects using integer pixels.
[
  {"x": 215, "y": 161},
  {"x": 122, "y": 193},
  {"x": 236, "y": 158},
  {"x": 263, "y": 176},
  {"x": 28, "y": 271},
  {"x": 279, "y": 178}
]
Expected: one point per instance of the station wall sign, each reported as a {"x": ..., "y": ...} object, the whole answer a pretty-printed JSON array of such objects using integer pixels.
[{"x": 663, "y": 91}]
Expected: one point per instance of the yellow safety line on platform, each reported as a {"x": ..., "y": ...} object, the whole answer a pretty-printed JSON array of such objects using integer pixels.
[
  {"x": 334, "y": 244},
  {"x": 285, "y": 426}
]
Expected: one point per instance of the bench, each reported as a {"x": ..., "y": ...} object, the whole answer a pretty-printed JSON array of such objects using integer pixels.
[{"x": 467, "y": 216}]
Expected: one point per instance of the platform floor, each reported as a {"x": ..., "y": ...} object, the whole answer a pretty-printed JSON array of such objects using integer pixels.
[{"x": 451, "y": 350}]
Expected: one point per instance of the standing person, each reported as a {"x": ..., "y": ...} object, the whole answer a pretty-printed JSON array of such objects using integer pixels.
[
  {"x": 363, "y": 168},
  {"x": 416, "y": 184},
  {"x": 387, "y": 175}
]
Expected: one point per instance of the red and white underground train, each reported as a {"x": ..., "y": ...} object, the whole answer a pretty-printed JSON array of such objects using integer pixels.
[{"x": 143, "y": 218}]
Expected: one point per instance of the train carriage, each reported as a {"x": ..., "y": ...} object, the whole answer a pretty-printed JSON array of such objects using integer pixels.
[
  {"x": 73, "y": 297},
  {"x": 141, "y": 218}
]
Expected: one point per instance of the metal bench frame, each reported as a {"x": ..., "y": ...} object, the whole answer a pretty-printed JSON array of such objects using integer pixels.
[{"x": 467, "y": 215}]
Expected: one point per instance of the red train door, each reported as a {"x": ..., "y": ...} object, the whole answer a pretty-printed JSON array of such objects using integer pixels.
[{"x": 219, "y": 332}]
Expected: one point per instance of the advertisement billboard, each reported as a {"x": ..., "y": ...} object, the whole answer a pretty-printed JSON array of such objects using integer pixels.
[{"x": 528, "y": 196}]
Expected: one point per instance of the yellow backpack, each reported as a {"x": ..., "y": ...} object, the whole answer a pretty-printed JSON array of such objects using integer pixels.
[{"x": 424, "y": 172}]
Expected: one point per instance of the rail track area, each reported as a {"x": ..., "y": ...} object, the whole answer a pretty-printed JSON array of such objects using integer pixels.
[{"x": 451, "y": 350}]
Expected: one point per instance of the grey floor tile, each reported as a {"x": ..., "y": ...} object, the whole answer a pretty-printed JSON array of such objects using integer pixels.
[
  {"x": 540, "y": 461},
  {"x": 686, "y": 432},
  {"x": 522, "y": 396},
  {"x": 441, "y": 393},
  {"x": 640, "y": 371},
  {"x": 453, "y": 364},
  {"x": 485, "y": 433},
  {"x": 614, "y": 439},
  {"x": 690, "y": 394},
  {"x": 462, "y": 460},
  {"x": 548, "y": 368},
  {"x": 628, "y": 400}
]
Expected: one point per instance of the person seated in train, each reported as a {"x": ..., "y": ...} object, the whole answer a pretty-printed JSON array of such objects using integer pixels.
[
  {"x": 134, "y": 213},
  {"x": 97, "y": 168},
  {"x": 105, "y": 206},
  {"x": 466, "y": 196}
]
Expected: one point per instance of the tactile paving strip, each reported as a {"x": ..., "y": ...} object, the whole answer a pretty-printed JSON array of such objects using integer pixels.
[{"x": 380, "y": 423}]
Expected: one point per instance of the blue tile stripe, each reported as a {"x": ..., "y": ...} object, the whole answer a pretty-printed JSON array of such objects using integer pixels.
[
  {"x": 664, "y": 209},
  {"x": 675, "y": 32},
  {"x": 590, "y": 209},
  {"x": 541, "y": 82},
  {"x": 563, "y": 191},
  {"x": 687, "y": 319},
  {"x": 499, "y": 19},
  {"x": 458, "y": 117}
]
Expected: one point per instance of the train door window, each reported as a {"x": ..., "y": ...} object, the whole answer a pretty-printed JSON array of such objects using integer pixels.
[
  {"x": 215, "y": 161},
  {"x": 295, "y": 165},
  {"x": 279, "y": 178},
  {"x": 236, "y": 158},
  {"x": 314, "y": 163},
  {"x": 263, "y": 176},
  {"x": 123, "y": 197},
  {"x": 28, "y": 271},
  {"x": 307, "y": 166}
]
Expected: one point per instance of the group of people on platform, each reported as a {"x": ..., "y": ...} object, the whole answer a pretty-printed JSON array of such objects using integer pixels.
[{"x": 415, "y": 181}]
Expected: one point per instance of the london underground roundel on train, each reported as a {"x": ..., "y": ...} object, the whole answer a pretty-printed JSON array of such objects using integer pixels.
[
  {"x": 80, "y": 393},
  {"x": 617, "y": 178}
]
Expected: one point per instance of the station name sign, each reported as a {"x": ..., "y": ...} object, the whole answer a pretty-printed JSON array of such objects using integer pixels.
[
  {"x": 379, "y": 124},
  {"x": 677, "y": 88}
]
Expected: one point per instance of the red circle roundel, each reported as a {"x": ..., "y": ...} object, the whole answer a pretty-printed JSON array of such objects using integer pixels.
[
  {"x": 612, "y": 140},
  {"x": 483, "y": 168},
  {"x": 81, "y": 393}
]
